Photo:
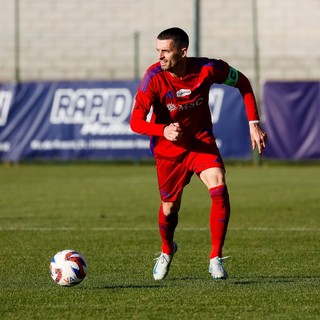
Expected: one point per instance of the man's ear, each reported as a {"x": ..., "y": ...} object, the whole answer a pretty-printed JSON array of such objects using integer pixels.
[{"x": 184, "y": 52}]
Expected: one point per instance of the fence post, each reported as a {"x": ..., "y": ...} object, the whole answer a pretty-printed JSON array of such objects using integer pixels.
[
  {"x": 17, "y": 41},
  {"x": 196, "y": 15},
  {"x": 136, "y": 55},
  {"x": 256, "y": 54}
]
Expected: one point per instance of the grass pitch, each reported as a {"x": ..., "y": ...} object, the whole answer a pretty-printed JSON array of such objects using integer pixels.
[{"x": 109, "y": 213}]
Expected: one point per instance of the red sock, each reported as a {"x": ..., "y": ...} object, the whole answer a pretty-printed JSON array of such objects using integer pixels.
[
  {"x": 219, "y": 218},
  {"x": 167, "y": 226}
]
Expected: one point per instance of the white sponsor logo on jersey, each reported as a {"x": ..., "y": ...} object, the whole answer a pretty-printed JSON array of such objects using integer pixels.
[
  {"x": 183, "y": 92},
  {"x": 181, "y": 107}
]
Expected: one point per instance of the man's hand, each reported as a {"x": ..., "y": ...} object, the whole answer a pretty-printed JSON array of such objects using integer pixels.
[
  {"x": 173, "y": 132},
  {"x": 258, "y": 137}
]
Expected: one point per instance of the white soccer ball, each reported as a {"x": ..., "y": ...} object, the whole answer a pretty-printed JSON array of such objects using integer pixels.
[{"x": 68, "y": 268}]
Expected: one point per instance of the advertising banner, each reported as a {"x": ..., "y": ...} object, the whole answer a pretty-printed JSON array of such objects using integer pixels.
[
  {"x": 292, "y": 120},
  {"x": 90, "y": 121}
]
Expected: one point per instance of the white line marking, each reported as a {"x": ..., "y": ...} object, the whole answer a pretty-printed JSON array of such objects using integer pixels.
[{"x": 109, "y": 229}]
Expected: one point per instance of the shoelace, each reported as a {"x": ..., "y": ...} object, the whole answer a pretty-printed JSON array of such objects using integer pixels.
[
  {"x": 224, "y": 258},
  {"x": 219, "y": 263},
  {"x": 159, "y": 257}
]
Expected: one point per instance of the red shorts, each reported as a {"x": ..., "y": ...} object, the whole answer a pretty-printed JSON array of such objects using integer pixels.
[{"x": 174, "y": 176}]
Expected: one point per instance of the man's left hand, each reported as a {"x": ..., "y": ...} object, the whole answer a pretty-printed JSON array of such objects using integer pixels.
[{"x": 258, "y": 137}]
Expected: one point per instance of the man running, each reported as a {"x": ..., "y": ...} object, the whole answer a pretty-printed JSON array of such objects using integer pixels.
[{"x": 181, "y": 138}]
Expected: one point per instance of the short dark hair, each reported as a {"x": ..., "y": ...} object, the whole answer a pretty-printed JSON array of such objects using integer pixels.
[{"x": 179, "y": 36}]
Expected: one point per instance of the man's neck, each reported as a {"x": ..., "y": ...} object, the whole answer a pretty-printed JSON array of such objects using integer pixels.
[{"x": 182, "y": 70}]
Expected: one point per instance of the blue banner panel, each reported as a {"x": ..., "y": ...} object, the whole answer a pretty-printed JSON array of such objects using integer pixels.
[
  {"x": 292, "y": 120},
  {"x": 90, "y": 120},
  {"x": 230, "y": 123}
]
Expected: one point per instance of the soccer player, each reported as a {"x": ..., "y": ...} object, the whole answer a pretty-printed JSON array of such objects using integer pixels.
[{"x": 181, "y": 138}]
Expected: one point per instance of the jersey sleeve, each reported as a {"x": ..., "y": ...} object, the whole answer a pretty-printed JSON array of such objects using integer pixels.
[
  {"x": 144, "y": 100},
  {"x": 238, "y": 80},
  {"x": 244, "y": 86}
]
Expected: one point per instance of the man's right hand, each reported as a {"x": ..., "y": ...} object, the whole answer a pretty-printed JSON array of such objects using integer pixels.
[{"x": 173, "y": 132}]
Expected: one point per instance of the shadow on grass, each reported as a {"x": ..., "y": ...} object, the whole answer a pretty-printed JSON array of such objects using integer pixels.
[
  {"x": 157, "y": 284},
  {"x": 277, "y": 279},
  {"x": 131, "y": 286},
  {"x": 170, "y": 282}
]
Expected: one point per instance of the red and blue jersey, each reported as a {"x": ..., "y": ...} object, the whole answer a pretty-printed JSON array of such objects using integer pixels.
[{"x": 184, "y": 100}]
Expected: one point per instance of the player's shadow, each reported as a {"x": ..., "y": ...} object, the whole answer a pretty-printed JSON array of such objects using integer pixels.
[
  {"x": 238, "y": 281},
  {"x": 157, "y": 284},
  {"x": 270, "y": 280},
  {"x": 132, "y": 286}
]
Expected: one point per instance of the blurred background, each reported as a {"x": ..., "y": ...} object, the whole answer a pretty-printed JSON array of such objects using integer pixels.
[{"x": 104, "y": 40}]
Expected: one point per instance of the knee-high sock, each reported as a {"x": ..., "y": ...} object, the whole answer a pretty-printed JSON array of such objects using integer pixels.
[
  {"x": 167, "y": 226},
  {"x": 219, "y": 218}
]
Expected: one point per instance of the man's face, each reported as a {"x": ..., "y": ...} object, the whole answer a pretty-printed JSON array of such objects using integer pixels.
[{"x": 169, "y": 55}]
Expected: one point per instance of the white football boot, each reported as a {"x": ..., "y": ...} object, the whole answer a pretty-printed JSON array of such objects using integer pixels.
[
  {"x": 216, "y": 268},
  {"x": 162, "y": 265}
]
